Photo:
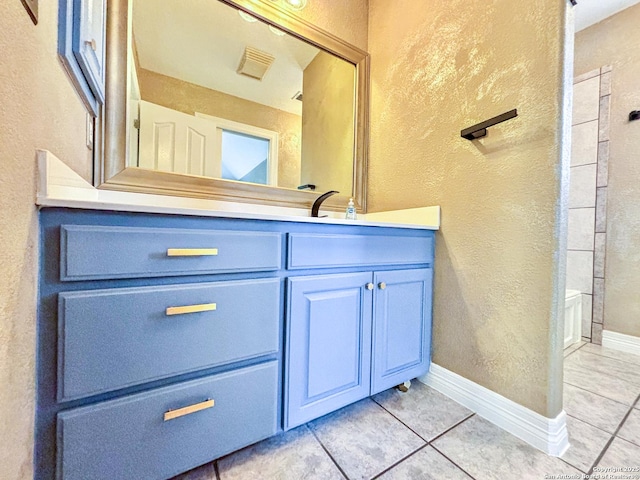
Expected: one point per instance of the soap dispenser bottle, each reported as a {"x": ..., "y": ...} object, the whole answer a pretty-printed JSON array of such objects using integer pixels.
[{"x": 351, "y": 210}]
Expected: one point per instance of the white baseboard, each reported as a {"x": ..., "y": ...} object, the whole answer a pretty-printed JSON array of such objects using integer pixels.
[
  {"x": 620, "y": 341},
  {"x": 546, "y": 434}
]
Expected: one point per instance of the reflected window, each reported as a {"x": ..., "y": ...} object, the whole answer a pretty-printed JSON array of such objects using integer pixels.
[{"x": 245, "y": 158}]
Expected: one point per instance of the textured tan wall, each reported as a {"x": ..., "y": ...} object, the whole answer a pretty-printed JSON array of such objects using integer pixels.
[
  {"x": 38, "y": 109},
  {"x": 328, "y": 111},
  {"x": 438, "y": 67},
  {"x": 615, "y": 42},
  {"x": 189, "y": 98}
]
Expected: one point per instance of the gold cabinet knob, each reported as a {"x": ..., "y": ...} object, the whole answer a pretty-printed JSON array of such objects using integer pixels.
[
  {"x": 369, "y": 286},
  {"x": 382, "y": 285}
]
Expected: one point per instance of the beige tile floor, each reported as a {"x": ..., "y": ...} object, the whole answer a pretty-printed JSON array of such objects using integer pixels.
[{"x": 424, "y": 435}]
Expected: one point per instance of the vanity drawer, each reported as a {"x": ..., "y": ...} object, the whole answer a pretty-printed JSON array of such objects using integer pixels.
[
  {"x": 110, "y": 339},
  {"x": 310, "y": 250},
  {"x": 132, "y": 437},
  {"x": 97, "y": 252}
]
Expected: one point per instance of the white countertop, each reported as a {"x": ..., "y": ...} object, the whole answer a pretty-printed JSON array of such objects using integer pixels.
[{"x": 60, "y": 186}]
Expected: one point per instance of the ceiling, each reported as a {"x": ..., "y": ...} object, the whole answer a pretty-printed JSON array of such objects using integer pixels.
[
  {"x": 202, "y": 42},
  {"x": 590, "y": 12}
]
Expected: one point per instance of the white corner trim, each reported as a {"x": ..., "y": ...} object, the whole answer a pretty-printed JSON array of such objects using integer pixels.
[
  {"x": 620, "y": 341},
  {"x": 546, "y": 434}
]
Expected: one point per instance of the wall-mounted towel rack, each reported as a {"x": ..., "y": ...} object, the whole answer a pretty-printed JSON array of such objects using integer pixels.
[{"x": 480, "y": 130}]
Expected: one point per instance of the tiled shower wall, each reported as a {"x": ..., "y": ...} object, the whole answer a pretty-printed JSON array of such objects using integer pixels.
[{"x": 588, "y": 196}]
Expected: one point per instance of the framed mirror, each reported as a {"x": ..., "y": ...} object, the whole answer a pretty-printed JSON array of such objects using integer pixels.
[{"x": 232, "y": 100}]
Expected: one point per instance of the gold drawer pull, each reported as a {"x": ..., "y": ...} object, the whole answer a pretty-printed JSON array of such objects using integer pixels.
[
  {"x": 192, "y": 252},
  {"x": 203, "y": 307},
  {"x": 181, "y": 412}
]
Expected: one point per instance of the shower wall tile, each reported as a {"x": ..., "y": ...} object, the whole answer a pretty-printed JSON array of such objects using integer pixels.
[
  {"x": 598, "y": 300},
  {"x": 605, "y": 84},
  {"x": 596, "y": 333},
  {"x": 586, "y": 263},
  {"x": 586, "y": 100},
  {"x": 598, "y": 255},
  {"x": 580, "y": 271},
  {"x": 601, "y": 210},
  {"x": 603, "y": 164},
  {"x": 586, "y": 76},
  {"x": 584, "y": 143},
  {"x": 582, "y": 190},
  {"x": 605, "y": 103},
  {"x": 587, "y": 306},
  {"x": 581, "y": 225}
]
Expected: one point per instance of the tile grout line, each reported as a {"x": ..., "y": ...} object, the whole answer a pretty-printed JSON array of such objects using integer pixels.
[
  {"x": 572, "y": 352},
  {"x": 342, "y": 472},
  {"x": 594, "y": 120},
  {"x": 426, "y": 439},
  {"x": 591, "y": 424},
  {"x": 428, "y": 442},
  {"x": 451, "y": 428},
  {"x": 595, "y": 393},
  {"x": 572, "y": 466},
  {"x": 391, "y": 413},
  {"x": 634, "y": 383},
  {"x": 458, "y": 466},
  {"x": 614, "y": 358},
  {"x": 613, "y": 437},
  {"x": 378, "y": 475}
]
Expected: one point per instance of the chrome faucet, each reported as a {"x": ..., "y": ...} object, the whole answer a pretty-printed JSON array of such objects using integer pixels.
[{"x": 316, "y": 205}]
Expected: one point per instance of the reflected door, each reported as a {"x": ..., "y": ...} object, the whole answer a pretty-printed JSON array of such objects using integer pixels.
[{"x": 173, "y": 141}]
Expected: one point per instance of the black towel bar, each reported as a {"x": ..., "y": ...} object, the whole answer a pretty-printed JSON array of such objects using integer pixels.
[{"x": 480, "y": 130}]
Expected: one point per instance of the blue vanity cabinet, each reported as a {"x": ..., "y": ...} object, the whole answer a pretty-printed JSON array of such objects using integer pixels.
[
  {"x": 328, "y": 344},
  {"x": 167, "y": 341}
]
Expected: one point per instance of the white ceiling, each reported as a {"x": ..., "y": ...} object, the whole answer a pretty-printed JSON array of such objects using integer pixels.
[
  {"x": 590, "y": 12},
  {"x": 202, "y": 42}
]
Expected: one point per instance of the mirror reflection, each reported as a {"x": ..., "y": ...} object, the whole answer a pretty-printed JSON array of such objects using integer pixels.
[{"x": 216, "y": 92}]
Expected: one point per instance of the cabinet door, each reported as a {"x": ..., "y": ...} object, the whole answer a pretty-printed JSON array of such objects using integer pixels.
[
  {"x": 89, "y": 42},
  {"x": 401, "y": 326},
  {"x": 328, "y": 362}
]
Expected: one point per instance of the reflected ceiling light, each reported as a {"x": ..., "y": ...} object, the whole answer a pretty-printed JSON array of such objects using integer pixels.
[
  {"x": 296, "y": 4},
  {"x": 277, "y": 31},
  {"x": 247, "y": 17}
]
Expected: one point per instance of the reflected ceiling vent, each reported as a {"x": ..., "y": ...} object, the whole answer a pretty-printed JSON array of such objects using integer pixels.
[
  {"x": 255, "y": 63},
  {"x": 297, "y": 96}
]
